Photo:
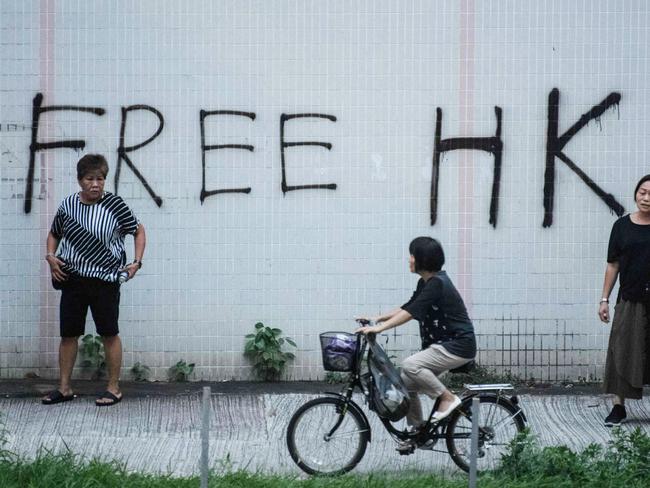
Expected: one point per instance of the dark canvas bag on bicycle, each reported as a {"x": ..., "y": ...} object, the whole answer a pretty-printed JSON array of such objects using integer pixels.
[{"x": 389, "y": 397}]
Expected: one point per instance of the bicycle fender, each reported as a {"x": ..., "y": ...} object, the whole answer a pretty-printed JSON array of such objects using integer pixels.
[
  {"x": 515, "y": 401},
  {"x": 352, "y": 406},
  {"x": 466, "y": 404}
]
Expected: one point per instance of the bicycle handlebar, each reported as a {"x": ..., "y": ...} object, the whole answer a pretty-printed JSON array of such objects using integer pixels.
[{"x": 366, "y": 323}]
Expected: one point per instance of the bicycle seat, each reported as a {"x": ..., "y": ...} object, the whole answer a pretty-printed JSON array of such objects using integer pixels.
[{"x": 465, "y": 368}]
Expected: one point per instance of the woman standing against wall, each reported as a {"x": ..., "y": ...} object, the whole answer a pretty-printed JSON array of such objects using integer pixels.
[
  {"x": 627, "y": 367},
  {"x": 85, "y": 251}
]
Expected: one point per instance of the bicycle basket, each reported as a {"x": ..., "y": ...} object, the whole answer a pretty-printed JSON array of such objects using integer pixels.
[{"x": 339, "y": 350}]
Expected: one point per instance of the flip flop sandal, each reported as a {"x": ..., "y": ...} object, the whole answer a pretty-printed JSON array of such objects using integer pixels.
[
  {"x": 55, "y": 396},
  {"x": 110, "y": 396}
]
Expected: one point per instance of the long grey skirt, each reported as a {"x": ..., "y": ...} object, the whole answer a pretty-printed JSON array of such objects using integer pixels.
[{"x": 627, "y": 367}]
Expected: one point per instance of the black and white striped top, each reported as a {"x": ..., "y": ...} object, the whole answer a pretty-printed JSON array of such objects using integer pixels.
[{"x": 91, "y": 237}]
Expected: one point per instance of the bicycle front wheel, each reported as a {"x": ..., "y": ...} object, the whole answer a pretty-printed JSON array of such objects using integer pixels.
[
  {"x": 499, "y": 423},
  {"x": 327, "y": 437}
]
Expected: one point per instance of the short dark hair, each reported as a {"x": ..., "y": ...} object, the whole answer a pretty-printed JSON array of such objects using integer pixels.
[
  {"x": 91, "y": 162},
  {"x": 641, "y": 182},
  {"x": 428, "y": 254}
]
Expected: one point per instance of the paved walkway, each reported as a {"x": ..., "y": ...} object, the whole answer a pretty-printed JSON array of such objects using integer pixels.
[{"x": 156, "y": 428}]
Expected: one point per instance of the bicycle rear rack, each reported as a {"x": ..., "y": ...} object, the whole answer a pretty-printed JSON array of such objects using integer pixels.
[{"x": 489, "y": 386}]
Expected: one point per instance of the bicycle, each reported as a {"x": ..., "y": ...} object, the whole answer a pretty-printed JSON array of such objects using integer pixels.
[{"x": 329, "y": 435}]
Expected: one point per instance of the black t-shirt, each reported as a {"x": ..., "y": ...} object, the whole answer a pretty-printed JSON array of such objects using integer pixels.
[
  {"x": 629, "y": 244},
  {"x": 443, "y": 318}
]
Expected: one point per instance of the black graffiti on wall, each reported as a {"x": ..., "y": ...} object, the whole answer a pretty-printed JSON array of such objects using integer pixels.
[
  {"x": 123, "y": 152},
  {"x": 247, "y": 147},
  {"x": 12, "y": 127},
  {"x": 283, "y": 145},
  {"x": 79, "y": 144},
  {"x": 492, "y": 144},
  {"x": 555, "y": 146},
  {"x": 35, "y": 146}
]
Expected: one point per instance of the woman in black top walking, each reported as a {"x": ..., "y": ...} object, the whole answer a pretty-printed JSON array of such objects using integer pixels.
[
  {"x": 446, "y": 331},
  {"x": 627, "y": 367}
]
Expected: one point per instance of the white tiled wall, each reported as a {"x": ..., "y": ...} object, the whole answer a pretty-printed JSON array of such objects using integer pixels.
[{"x": 308, "y": 261}]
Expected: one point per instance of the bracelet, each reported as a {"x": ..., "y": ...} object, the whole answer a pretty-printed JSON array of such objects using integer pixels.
[
  {"x": 604, "y": 300},
  {"x": 138, "y": 262},
  {"x": 50, "y": 254}
]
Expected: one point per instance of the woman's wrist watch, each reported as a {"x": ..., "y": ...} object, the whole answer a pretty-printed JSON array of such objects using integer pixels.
[{"x": 604, "y": 300}]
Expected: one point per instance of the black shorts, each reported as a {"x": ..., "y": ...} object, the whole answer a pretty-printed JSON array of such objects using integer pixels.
[{"x": 102, "y": 297}]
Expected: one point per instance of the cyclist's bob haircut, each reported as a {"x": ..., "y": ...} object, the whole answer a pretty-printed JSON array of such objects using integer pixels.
[
  {"x": 428, "y": 254},
  {"x": 638, "y": 185},
  {"x": 90, "y": 163}
]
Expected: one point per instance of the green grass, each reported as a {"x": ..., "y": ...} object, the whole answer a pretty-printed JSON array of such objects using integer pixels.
[
  {"x": 624, "y": 462},
  {"x": 66, "y": 471}
]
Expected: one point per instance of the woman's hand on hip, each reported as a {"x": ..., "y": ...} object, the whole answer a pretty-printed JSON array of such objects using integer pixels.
[{"x": 56, "y": 268}]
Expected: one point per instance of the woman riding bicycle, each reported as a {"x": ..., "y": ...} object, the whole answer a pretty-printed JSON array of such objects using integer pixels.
[{"x": 446, "y": 330}]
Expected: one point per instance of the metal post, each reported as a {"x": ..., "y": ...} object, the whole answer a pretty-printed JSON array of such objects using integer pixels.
[
  {"x": 205, "y": 435},
  {"x": 474, "y": 438}
]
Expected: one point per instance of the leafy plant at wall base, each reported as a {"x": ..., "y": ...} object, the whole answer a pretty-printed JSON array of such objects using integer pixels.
[
  {"x": 264, "y": 350},
  {"x": 140, "y": 372},
  {"x": 181, "y": 371},
  {"x": 93, "y": 356},
  {"x": 333, "y": 377}
]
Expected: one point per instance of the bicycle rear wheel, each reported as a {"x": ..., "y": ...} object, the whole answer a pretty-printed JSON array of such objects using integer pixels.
[
  {"x": 326, "y": 436},
  {"x": 499, "y": 423}
]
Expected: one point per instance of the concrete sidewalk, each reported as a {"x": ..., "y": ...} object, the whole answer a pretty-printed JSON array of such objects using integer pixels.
[{"x": 156, "y": 428}]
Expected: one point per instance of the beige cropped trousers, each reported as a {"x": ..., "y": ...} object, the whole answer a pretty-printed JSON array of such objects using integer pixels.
[{"x": 420, "y": 374}]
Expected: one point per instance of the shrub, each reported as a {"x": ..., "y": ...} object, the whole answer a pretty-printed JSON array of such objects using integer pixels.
[
  {"x": 333, "y": 377},
  {"x": 140, "y": 372},
  {"x": 624, "y": 462},
  {"x": 181, "y": 371},
  {"x": 93, "y": 356},
  {"x": 264, "y": 349}
]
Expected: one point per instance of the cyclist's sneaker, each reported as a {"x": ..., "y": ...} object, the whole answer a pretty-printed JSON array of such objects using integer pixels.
[
  {"x": 616, "y": 417},
  {"x": 405, "y": 447},
  {"x": 408, "y": 447},
  {"x": 427, "y": 445}
]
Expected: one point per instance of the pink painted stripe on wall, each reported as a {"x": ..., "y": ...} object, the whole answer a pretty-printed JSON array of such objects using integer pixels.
[
  {"x": 466, "y": 159},
  {"x": 48, "y": 325}
]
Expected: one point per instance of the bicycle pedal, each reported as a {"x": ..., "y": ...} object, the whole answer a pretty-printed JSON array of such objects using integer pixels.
[{"x": 405, "y": 449}]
